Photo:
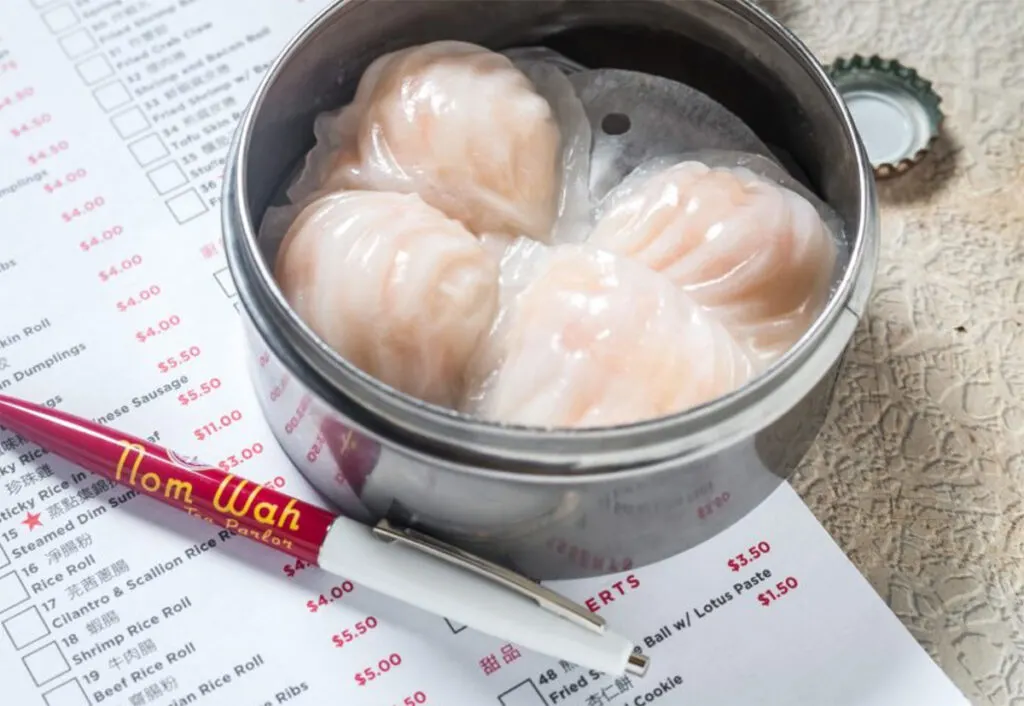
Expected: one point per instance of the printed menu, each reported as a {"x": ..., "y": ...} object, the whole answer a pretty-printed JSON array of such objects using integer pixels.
[{"x": 115, "y": 116}]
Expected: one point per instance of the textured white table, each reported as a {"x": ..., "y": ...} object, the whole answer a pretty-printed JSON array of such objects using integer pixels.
[{"x": 919, "y": 473}]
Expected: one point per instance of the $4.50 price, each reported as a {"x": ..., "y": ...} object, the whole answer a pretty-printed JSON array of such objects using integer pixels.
[
  {"x": 782, "y": 588},
  {"x": 347, "y": 635},
  {"x": 380, "y": 669},
  {"x": 750, "y": 556},
  {"x": 335, "y": 594}
]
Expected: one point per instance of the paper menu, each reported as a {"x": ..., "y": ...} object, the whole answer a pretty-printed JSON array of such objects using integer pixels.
[{"x": 114, "y": 120}]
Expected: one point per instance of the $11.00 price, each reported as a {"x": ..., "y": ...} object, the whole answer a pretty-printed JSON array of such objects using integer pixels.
[
  {"x": 340, "y": 639},
  {"x": 335, "y": 594},
  {"x": 378, "y": 670},
  {"x": 782, "y": 588},
  {"x": 750, "y": 556}
]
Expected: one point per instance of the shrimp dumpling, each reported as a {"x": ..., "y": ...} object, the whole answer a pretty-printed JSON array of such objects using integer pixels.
[
  {"x": 461, "y": 126},
  {"x": 592, "y": 339},
  {"x": 397, "y": 288},
  {"x": 757, "y": 254}
]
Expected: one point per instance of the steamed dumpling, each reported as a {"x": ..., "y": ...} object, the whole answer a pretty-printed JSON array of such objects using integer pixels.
[
  {"x": 393, "y": 285},
  {"x": 757, "y": 254},
  {"x": 461, "y": 126},
  {"x": 586, "y": 338}
]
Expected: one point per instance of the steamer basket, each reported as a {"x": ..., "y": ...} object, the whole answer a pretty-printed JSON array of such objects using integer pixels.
[{"x": 569, "y": 503}]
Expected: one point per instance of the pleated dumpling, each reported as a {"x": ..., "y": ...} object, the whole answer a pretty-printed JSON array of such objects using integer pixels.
[
  {"x": 758, "y": 254},
  {"x": 458, "y": 124},
  {"x": 585, "y": 338},
  {"x": 397, "y": 288}
]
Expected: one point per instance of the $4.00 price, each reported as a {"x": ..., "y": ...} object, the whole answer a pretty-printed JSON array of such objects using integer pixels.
[
  {"x": 347, "y": 635},
  {"x": 380, "y": 669},
  {"x": 158, "y": 328},
  {"x": 292, "y": 569},
  {"x": 335, "y": 594},
  {"x": 782, "y": 588},
  {"x": 750, "y": 556}
]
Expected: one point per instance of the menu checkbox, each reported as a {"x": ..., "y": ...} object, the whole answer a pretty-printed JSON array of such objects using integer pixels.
[
  {"x": 95, "y": 69},
  {"x": 130, "y": 123},
  {"x": 456, "y": 628},
  {"x": 12, "y": 591},
  {"x": 70, "y": 693},
  {"x": 522, "y": 694},
  {"x": 186, "y": 206},
  {"x": 25, "y": 627},
  {"x": 227, "y": 284},
  {"x": 113, "y": 95},
  {"x": 60, "y": 18},
  {"x": 77, "y": 43},
  {"x": 4, "y": 559},
  {"x": 167, "y": 177},
  {"x": 148, "y": 149},
  {"x": 46, "y": 663}
]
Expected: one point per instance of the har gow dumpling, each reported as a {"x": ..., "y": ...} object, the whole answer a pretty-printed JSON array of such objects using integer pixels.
[
  {"x": 456, "y": 123},
  {"x": 759, "y": 255},
  {"x": 393, "y": 285},
  {"x": 585, "y": 338}
]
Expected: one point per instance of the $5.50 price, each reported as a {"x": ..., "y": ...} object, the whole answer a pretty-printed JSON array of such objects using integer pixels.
[
  {"x": 782, "y": 588},
  {"x": 380, "y": 669},
  {"x": 335, "y": 594},
  {"x": 191, "y": 395},
  {"x": 750, "y": 556},
  {"x": 347, "y": 635}
]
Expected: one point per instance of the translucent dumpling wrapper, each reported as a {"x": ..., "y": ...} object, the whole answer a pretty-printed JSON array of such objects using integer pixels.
[
  {"x": 758, "y": 254},
  {"x": 500, "y": 147},
  {"x": 585, "y": 338},
  {"x": 397, "y": 288}
]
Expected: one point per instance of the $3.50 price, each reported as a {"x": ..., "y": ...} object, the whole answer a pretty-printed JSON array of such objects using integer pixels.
[
  {"x": 782, "y": 588},
  {"x": 347, "y": 635},
  {"x": 748, "y": 557}
]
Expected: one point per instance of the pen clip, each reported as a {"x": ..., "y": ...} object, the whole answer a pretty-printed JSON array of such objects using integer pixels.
[{"x": 544, "y": 597}]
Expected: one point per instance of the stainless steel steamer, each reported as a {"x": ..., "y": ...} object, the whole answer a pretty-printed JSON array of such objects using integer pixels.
[{"x": 568, "y": 503}]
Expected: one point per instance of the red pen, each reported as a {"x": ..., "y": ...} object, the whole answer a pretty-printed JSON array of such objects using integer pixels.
[{"x": 401, "y": 563}]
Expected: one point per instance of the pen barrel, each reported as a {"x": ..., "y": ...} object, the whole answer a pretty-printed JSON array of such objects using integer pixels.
[{"x": 242, "y": 506}]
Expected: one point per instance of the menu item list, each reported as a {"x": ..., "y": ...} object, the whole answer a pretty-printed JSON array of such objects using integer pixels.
[{"x": 115, "y": 116}]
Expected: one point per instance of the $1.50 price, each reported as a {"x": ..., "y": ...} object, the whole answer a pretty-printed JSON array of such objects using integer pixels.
[
  {"x": 347, "y": 635},
  {"x": 750, "y": 556},
  {"x": 380, "y": 669},
  {"x": 335, "y": 594},
  {"x": 782, "y": 588}
]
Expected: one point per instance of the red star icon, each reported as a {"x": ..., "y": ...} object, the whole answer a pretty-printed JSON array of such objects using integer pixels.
[{"x": 32, "y": 521}]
